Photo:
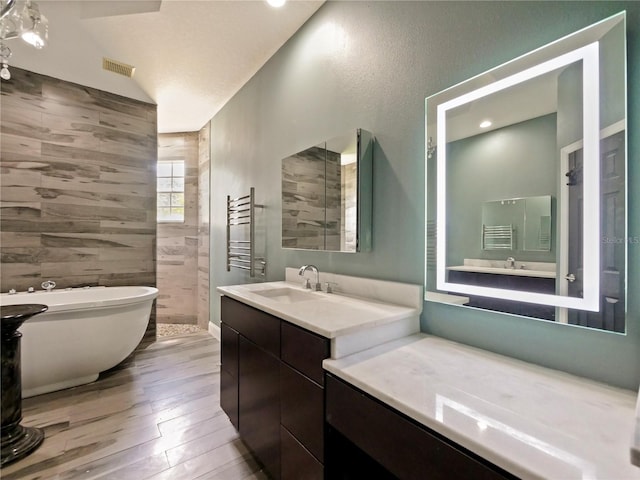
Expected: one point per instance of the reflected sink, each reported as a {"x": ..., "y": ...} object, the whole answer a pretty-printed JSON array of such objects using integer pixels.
[{"x": 286, "y": 295}]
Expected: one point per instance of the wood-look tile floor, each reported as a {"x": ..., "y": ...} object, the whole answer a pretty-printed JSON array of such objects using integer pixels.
[{"x": 156, "y": 416}]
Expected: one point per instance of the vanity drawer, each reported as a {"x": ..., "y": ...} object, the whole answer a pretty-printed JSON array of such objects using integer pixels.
[
  {"x": 408, "y": 450},
  {"x": 302, "y": 409},
  {"x": 259, "y": 327},
  {"x": 304, "y": 351}
]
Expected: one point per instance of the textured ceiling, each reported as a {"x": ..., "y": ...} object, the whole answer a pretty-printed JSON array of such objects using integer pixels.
[{"x": 190, "y": 56}]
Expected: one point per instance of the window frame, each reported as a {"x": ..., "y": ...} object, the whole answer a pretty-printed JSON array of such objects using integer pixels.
[{"x": 171, "y": 206}]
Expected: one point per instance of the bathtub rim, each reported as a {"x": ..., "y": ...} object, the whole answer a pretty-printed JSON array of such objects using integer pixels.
[{"x": 142, "y": 294}]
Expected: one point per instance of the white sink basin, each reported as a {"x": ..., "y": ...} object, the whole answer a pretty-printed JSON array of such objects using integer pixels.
[
  {"x": 286, "y": 295},
  {"x": 359, "y": 314}
]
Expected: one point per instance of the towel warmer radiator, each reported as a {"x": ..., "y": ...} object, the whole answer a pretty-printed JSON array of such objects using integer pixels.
[
  {"x": 241, "y": 253},
  {"x": 497, "y": 237}
]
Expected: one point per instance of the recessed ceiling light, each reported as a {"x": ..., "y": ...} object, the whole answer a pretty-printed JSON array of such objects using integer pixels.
[
  {"x": 485, "y": 124},
  {"x": 276, "y": 3}
]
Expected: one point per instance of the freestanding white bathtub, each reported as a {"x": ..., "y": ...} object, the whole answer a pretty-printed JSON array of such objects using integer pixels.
[{"x": 84, "y": 332}]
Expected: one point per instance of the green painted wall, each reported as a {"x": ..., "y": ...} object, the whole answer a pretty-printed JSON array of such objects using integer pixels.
[
  {"x": 511, "y": 162},
  {"x": 370, "y": 64}
]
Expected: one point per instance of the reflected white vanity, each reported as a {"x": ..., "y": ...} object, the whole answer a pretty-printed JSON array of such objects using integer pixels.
[
  {"x": 537, "y": 277},
  {"x": 498, "y": 267}
]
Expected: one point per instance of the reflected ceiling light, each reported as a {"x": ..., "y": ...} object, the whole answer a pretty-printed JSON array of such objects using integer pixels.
[
  {"x": 20, "y": 19},
  {"x": 276, "y": 3},
  {"x": 485, "y": 124}
]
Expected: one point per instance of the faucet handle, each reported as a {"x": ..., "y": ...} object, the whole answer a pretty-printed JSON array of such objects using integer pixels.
[
  {"x": 328, "y": 286},
  {"x": 306, "y": 283}
]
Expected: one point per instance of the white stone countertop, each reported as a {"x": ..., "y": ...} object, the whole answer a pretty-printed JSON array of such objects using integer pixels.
[
  {"x": 532, "y": 421},
  {"x": 330, "y": 315},
  {"x": 446, "y": 298}
]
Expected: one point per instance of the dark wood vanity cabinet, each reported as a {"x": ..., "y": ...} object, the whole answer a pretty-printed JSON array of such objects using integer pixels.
[
  {"x": 272, "y": 389},
  {"x": 302, "y": 423},
  {"x": 362, "y": 429},
  {"x": 259, "y": 404},
  {"x": 250, "y": 379}
]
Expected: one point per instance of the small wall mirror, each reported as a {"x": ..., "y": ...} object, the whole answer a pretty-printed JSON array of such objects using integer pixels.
[
  {"x": 514, "y": 224},
  {"x": 327, "y": 195},
  {"x": 526, "y": 184}
]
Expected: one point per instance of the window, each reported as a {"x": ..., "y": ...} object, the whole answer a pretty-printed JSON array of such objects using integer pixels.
[{"x": 171, "y": 191}]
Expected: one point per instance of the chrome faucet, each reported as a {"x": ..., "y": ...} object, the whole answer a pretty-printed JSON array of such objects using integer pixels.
[
  {"x": 307, "y": 284},
  {"x": 511, "y": 262},
  {"x": 48, "y": 285}
]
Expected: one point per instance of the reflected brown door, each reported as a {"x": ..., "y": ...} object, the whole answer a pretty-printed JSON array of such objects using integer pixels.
[
  {"x": 613, "y": 236},
  {"x": 576, "y": 194}
]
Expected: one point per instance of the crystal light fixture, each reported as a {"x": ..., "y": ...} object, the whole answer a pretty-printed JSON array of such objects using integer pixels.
[{"x": 20, "y": 19}]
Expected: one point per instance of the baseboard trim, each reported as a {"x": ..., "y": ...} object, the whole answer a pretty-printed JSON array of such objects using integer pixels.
[{"x": 214, "y": 331}]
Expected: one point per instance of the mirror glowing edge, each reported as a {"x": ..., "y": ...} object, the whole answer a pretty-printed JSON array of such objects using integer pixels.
[{"x": 581, "y": 49}]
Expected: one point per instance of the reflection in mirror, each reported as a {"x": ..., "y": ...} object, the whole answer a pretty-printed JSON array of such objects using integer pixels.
[
  {"x": 537, "y": 224},
  {"x": 517, "y": 224},
  {"x": 327, "y": 195},
  {"x": 531, "y": 157},
  {"x": 501, "y": 222}
]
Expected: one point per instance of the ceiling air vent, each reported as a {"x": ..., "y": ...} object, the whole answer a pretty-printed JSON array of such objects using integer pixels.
[{"x": 118, "y": 67}]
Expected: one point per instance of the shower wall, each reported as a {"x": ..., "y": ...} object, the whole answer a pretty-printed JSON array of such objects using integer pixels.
[
  {"x": 183, "y": 248},
  {"x": 204, "y": 171},
  {"x": 78, "y": 190},
  {"x": 178, "y": 241}
]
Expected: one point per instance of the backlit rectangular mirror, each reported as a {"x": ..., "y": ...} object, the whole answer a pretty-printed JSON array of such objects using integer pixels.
[
  {"x": 526, "y": 184},
  {"x": 327, "y": 195}
]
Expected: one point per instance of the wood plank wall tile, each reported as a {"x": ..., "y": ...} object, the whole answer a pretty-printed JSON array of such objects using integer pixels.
[
  {"x": 77, "y": 176},
  {"x": 311, "y": 200},
  {"x": 204, "y": 166},
  {"x": 178, "y": 242}
]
